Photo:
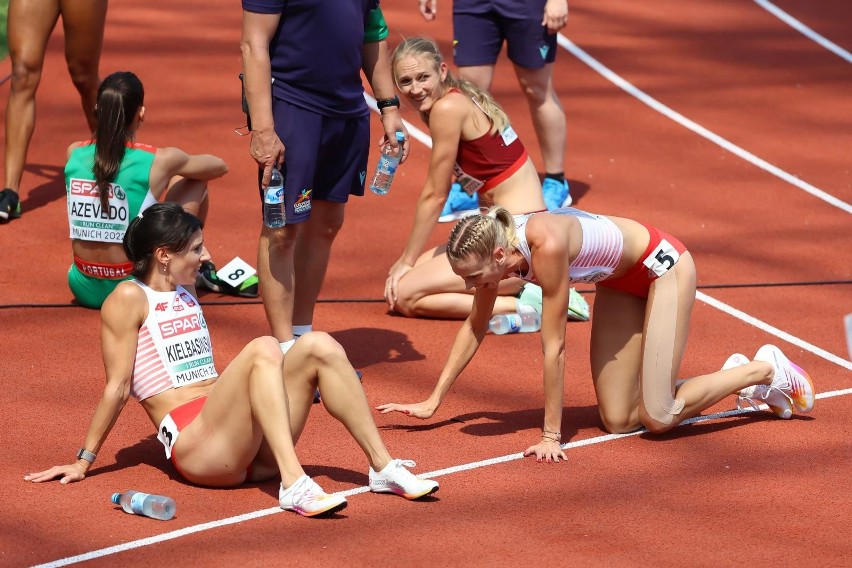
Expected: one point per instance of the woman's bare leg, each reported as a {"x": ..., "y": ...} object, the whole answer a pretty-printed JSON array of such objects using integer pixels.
[
  {"x": 432, "y": 290},
  {"x": 247, "y": 405},
  {"x": 29, "y": 24},
  {"x": 83, "y": 22},
  {"x": 698, "y": 393},
  {"x": 191, "y": 194},
  {"x": 317, "y": 360}
]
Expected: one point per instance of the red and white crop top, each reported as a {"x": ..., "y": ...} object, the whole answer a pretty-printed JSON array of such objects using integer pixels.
[
  {"x": 173, "y": 349},
  {"x": 485, "y": 162}
]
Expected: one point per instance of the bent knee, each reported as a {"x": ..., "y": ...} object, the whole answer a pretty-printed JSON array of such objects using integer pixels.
[
  {"x": 25, "y": 75},
  {"x": 322, "y": 346},
  {"x": 653, "y": 425},
  {"x": 266, "y": 350},
  {"x": 619, "y": 422}
]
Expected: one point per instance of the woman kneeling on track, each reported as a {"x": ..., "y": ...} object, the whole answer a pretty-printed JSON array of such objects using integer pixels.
[
  {"x": 645, "y": 289},
  {"x": 473, "y": 140},
  {"x": 138, "y": 175},
  {"x": 242, "y": 425}
]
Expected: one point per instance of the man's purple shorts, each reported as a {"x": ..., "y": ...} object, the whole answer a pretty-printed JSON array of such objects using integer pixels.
[
  {"x": 325, "y": 157},
  {"x": 479, "y": 34}
]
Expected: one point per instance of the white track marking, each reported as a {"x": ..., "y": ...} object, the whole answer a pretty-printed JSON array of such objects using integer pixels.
[
  {"x": 763, "y": 326},
  {"x": 620, "y": 82},
  {"x": 803, "y": 29}
]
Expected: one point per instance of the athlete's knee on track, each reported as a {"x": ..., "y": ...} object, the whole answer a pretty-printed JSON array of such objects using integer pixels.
[{"x": 652, "y": 425}]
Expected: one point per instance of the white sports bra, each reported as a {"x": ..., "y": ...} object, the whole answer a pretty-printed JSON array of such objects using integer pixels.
[{"x": 599, "y": 253}]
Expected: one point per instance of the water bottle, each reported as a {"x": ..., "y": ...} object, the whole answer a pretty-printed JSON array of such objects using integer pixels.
[
  {"x": 514, "y": 323},
  {"x": 138, "y": 503},
  {"x": 274, "y": 213},
  {"x": 386, "y": 168}
]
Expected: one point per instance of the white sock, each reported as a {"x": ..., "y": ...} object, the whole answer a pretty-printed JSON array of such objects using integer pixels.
[{"x": 299, "y": 330}]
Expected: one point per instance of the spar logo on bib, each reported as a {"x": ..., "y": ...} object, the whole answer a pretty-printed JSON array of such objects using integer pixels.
[
  {"x": 88, "y": 188},
  {"x": 181, "y": 325}
]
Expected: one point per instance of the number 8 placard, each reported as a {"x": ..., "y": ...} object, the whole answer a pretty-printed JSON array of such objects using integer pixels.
[{"x": 236, "y": 272}]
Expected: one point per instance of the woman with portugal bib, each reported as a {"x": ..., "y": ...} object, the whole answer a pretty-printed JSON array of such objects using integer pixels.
[
  {"x": 645, "y": 287},
  {"x": 221, "y": 430},
  {"x": 137, "y": 175}
]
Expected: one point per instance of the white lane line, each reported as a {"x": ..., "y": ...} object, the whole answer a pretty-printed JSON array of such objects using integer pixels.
[
  {"x": 803, "y": 29},
  {"x": 697, "y": 128},
  {"x": 364, "y": 489},
  {"x": 763, "y": 326}
]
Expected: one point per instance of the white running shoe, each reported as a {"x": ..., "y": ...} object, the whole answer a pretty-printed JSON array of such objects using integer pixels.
[
  {"x": 394, "y": 478},
  {"x": 775, "y": 399},
  {"x": 308, "y": 499},
  {"x": 789, "y": 378}
]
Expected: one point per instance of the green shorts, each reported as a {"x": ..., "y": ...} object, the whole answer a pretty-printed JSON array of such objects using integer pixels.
[{"x": 88, "y": 291}]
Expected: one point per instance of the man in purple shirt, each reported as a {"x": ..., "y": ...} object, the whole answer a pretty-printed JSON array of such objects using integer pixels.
[{"x": 312, "y": 54}]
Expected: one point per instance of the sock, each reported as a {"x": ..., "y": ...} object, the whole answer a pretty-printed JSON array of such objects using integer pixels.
[
  {"x": 558, "y": 176},
  {"x": 299, "y": 330}
]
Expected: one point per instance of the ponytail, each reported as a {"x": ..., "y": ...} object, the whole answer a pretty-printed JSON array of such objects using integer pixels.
[{"x": 120, "y": 97}]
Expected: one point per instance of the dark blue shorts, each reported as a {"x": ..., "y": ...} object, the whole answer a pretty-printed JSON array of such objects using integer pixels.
[
  {"x": 325, "y": 157},
  {"x": 479, "y": 39}
]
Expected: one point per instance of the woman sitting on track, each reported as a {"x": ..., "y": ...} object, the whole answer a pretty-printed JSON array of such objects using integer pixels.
[
  {"x": 138, "y": 176},
  {"x": 221, "y": 430},
  {"x": 471, "y": 134},
  {"x": 645, "y": 288}
]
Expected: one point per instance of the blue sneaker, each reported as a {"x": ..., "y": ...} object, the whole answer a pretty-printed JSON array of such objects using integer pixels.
[
  {"x": 459, "y": 204},
  {"x": 556, "y": 195}
]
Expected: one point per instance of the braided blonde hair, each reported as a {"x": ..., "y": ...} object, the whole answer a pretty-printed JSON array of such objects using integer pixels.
[
  {"x": 421, "y": 47},
  {"x": 478, "y": 235}
]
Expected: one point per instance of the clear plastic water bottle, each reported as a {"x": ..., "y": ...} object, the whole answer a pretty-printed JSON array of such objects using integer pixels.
[
  {"x": 138, "y": 503},
  {"x": 274, "y": 212},
  {"x": 386, "y": 168},
  {"x": 514, "y": 323}
]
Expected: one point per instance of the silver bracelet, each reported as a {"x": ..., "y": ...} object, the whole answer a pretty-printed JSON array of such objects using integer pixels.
[{"x": 84, "y": 454}]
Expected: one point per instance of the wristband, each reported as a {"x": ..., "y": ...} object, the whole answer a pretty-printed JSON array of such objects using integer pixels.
[
  {"x": 385, "y": 103},
  {"x": 84, "y": 454},
  {"x": 556, "y": 435}
]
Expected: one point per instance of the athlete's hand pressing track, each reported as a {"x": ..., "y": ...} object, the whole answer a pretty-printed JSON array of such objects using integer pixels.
[
  {"x": 547, "y": 450},
  {"x": 420, "y": 410},
  {"x": 66, "y": 473}
]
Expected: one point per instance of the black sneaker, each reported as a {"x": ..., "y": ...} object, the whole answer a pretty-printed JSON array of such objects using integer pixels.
[
  {"x": 10, "y": 205},
  {"x": 209, "y": 280}
]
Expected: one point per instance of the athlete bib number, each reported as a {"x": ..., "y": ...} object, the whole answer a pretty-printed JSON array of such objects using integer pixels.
[
  {"x": 168, "y": 434},
  {"x": 662, "y": 258}
]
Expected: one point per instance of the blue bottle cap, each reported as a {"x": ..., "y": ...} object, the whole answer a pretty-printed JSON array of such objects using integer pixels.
[{"x": 116, "y": 498}]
